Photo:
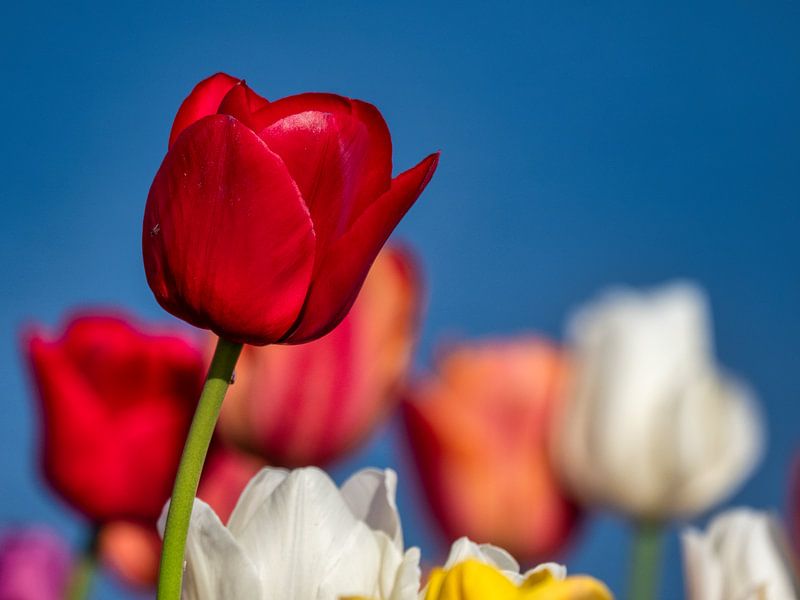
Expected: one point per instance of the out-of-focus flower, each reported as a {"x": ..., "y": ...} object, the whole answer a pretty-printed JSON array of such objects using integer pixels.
[
  {"x": 264, "y": 218},
  {"x": 794, "y": 506},
  {"x": 131, "y": 550},
  {"x": 116, "y": 405},
  {"x": 653, "y": 428},
  {"x": 294, "y": 534},
  {"x": 480, "y": 434},
  {"x": 478, "y": 572},
  {"x": 742, "y": 556},
  {"x": 309, "y": 404},
  {"x": 34, "y": 565}
]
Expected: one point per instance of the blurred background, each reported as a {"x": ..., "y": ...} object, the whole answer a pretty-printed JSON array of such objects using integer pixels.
[{"x": 583, "y": 144}]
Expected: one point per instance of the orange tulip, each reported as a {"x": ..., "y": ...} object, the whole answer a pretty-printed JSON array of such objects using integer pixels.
[
  {"x": 309, "y": 404},
  {"x": 132, "y": 549},
  {"x": 479, "y": 432}
]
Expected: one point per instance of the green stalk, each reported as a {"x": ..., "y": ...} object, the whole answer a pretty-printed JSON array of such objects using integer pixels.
[
  {"x": 191, "y": 466},
  {"x": 80, "y": 581},
  {"x": 646, "y": 560}
]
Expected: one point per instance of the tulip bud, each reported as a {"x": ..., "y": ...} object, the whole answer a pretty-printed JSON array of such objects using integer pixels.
[
  {"x": 480, "y": 432},
  {"x": 264, "y": 217},
  {"x": 653, "y": 428},
  {"x": 116, "y": 403}
]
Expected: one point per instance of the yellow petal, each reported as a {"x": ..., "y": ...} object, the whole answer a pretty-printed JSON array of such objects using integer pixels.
[
  {"x": 473, "y": 580},
  {"x": 571, "y": 588},
  {"x": 470, "y": 580}
]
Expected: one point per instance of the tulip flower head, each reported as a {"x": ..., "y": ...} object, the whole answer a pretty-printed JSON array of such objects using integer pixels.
[
  {"x": 480, "y": 432},
  {"x": 474, "y": 580},
  {"x": 282, "y": 405},
  {"x": 116, "y": 403},
  {"x": 481, "y": 571},
  {"x": 264, "y": 217},
  {"x": 294, "y": 534},
  {"x": 741, "y": 556},
  {"x": 653, "y": 428},
  {"x": 34, "y": 565}
]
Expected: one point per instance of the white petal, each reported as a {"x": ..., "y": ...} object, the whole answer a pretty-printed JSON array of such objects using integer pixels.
[
  {"x": 408, "y": 577},
  {"x": 750, "y": 555},
  {"x": 254, "y": 495},
  {"x": 371, "y": 495},
  {"x": 557, "y": 571},
  {"x": 303, "y": 534},
  {"x": 464, "y": 548},
  {"x": 216, "y": 566},
  {"x": 702, "y": 571},
  {"x": 721, "y": 443}
]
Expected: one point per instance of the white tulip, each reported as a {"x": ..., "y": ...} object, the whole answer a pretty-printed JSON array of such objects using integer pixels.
[
  {"x": 652, "y": 427},
  {"x": 294, "y": 534},
  {"x": 740, "y": 557}
]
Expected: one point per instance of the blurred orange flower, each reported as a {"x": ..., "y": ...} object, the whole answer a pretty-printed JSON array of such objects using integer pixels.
[
  {"x": 132, "y": 549},
  {"x": 309, "y": 404},
  {"x": 479, "y": 431}
]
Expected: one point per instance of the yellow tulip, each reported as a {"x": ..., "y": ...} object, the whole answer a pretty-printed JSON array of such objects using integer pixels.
[{"x": 474, "y": 580}]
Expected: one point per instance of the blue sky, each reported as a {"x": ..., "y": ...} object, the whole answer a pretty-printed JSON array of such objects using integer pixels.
[{"x": 583, "y": 144}]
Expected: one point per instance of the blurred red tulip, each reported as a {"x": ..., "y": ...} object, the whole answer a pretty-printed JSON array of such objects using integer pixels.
[
  {"x": 479, "y": 432},
  {"x": 116, "y": 403},
  {"x": 264, "y": 218},
  {"x": 309, "y": 404},
  {"x": 132, "y": 550},
  {"x": 34, "y": 565}
]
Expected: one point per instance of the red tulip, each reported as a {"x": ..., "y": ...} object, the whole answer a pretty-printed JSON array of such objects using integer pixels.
[
  {"x": 480, "y": 433},
  {"x": 310, "y": 404},
  {"x": 131, "y": 550},
  {"x": 116, "y": 403},
  {"x": 264, "y": 218}
]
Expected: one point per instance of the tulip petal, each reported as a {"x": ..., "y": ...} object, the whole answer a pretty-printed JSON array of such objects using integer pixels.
[
  {"x": 216, "y": 564},
  {"x": 254, "y": 495},
  {"x": 303, "y": 534},
  {"x": 371, "y": 496},
  {"x": 464, "y": 548},
  {"x": 202, "y": 101},
  {"x": 228, "y": 243},
  {"x": 241, "y": 102},
  {"x": 339, "y": 152},
  {"x": 702, "y": 573},
  {"x": 342, "y": 268},
  {"x": 407, "y": 578}
]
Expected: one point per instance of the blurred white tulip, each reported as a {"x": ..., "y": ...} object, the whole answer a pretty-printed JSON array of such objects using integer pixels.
[
  {"x": 742, "y": 556},
  {"x": 294, "y": 534},
  {"x": 652, "y": 427}
]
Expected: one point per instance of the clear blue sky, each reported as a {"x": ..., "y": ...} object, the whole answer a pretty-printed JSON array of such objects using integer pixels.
[{"x": 583, "y": 143}]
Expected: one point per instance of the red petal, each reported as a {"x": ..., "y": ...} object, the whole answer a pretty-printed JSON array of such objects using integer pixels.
[
  {"x": 339, "y": 152},
  {"x": 241, "y": 102},
  {"x": 341, "y": 270},
  {"x": 203, "y": 100},
  {"x": 228, "y": 243}
]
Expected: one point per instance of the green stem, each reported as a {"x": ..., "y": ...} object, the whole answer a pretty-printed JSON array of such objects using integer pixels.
[
  {"x": 646, "y": 560},
  {"x": 80, "y": 581},
  {"x": 191, "y": 465}
]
